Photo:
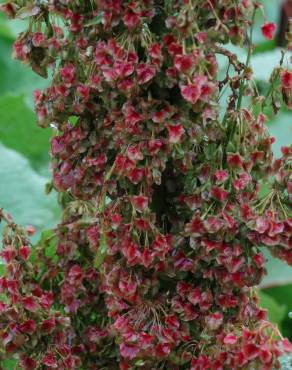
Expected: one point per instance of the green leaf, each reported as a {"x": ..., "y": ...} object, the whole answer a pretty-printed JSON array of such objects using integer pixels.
[
  {"x": 22, "y": 192},
  {"x": 19, "y": 131},
  {"x": 276, "y": 312},
  {"x": 9, "y": 364},
  {"x": 101, "y": 253},
  {"x": 48, "y": 242},
  {"x": 96, "y": 20}
]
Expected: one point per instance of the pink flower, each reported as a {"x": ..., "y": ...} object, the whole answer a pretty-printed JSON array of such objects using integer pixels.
[
  {"x": 136, "y": 175},
  {"x": 129, "y": 351},
  {"x": 175, "y": 133},
  {"x": 50, "y": 360},
  {"x": 162, "y": 349},
  {"x": 131, "y": 19},
  {"x": 24, "y": 252},
  {"x": 27, "y": 363},
  {"x": 219, "y": 193},
  {"x": 38, "y": 39},
  {"x": 29, "y": 326},
  {"x": 214, "y": 320},
  {"x": 145, "y": 73},
  {"x": 259, "y": 260},
  {"x": 221, "y": 175},
  {"x": 30, "y": 304},
  {"x": 183, "y": 63},
  {"x": 230, "y": 339},
  {"x": 155, "y": 51},
  {"x": 191, "y": 93},
  {"x": 195, "y": 296},
  {"x": 268, "y": 30},
  {"x": 68, "y": 74},
  {"x": 286, "y": 79},
  {"x": 139, "y": 202},
  {"x": 48, "y": 325},
  {"x": 250, "y": 351}
]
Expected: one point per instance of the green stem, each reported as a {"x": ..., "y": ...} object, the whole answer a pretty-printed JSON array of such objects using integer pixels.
[{"x": 249, "y": 53}]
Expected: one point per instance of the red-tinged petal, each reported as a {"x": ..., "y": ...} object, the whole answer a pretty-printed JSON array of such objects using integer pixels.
[
  {"x": 129, "y": 351},
  {"x": 268, "y": 30}
]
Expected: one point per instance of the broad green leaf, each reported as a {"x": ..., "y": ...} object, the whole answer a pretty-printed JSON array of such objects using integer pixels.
[
  {"x": 276, "y": 312},
  {"x": 48, "y": 241},
  {"x": 19, "y": 131},
  {"x": 282, "y": 295},
  {"x": 22, "y": 192},
  {"x": 9, "y": 364}
]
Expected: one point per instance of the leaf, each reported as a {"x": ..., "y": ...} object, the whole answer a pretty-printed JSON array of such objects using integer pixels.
[
  {"x": 48, "y": 243},
  {"x": 276, "y": 312},
  {"x": 101, "y": 253},
  {"x": 19, "y": 131},
  {"x": 96, "y": 20},
  {"x": 22, "y": 192},
  {"x": 9, "y": 364}
]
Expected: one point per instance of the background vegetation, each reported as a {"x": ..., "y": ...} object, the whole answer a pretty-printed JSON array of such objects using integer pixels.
[{"x": 24, "y": 149}]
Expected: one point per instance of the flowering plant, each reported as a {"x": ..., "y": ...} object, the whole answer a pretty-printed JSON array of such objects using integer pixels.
[{"x": 155, "y": 261}]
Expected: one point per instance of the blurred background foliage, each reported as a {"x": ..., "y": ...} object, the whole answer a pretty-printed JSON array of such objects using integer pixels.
[{"x": 24, "y": 148}]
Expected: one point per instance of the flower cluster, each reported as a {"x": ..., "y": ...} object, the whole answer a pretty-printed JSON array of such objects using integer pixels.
[{"x": 160, "y": 247}]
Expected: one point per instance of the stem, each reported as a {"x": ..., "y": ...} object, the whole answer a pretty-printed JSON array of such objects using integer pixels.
[{"x": 249, "y": 53}]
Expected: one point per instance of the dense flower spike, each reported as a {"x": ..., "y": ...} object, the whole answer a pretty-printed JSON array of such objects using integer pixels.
[{"x": 160, "y": 246}]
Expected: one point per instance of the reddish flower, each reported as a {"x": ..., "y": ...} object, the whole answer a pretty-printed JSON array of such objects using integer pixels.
[
  {"x": 268, "y": 30},
  {"x": 250, "y": 351},
  {"x": 162, "y": 350},
  {"x": 219, "y": 193},
  {"x": 214, "y": 320},
  {"x": 30, "y": 304},
  {"x": 139, "y": 202},
  {"x": 145, "y": 73},
  {"x": 50, "y": 360},
  {"x": 131, "y": 19},
  {"x": 175, "y": 133},
  {"x": 191, "y": 93},
  {"x": 29, "y": 326},
  {"x": 183, "y": 63},
  {"x": 68, "y": 74},
  {"x": 230, "y": 339},
  {"x": 24, "y": 252},
  {"x": 49, "y": 325},
  {"x": 221, "y": 175},
  {"x": 129, "y": 351},
  {"x": 286, "y": 79}
]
